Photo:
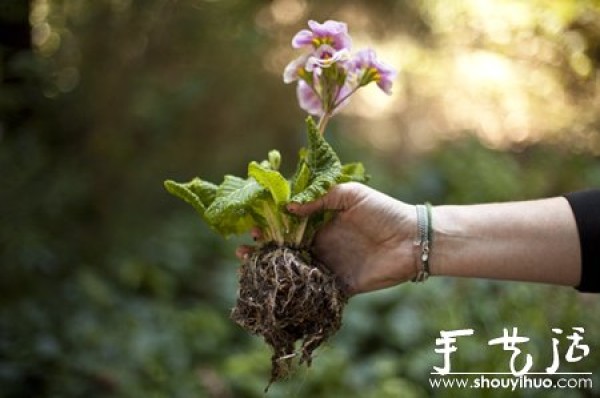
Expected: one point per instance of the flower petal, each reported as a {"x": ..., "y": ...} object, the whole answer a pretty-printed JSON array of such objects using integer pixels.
[
  {"x": 325, "y": 57},
  {"x": 304, "y": 38},
  {"x": 308, "y": 99},
  {"x": 386, "y": 78},
  {"x": 335, "y": 33},
  {"x": 369, "y": 69},
  {"x": 290, "y": 73}
]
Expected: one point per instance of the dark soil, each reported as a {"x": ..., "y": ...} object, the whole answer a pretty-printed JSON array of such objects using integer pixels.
[{"x": 286, "y": 296}]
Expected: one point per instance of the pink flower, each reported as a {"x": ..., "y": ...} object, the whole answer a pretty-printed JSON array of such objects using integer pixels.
[
  {"x": 324, "y": 57},
  {"x": 296, "y": 69},
  {"x": 332, "y": 33},
  {"x": 369, "y": 69},
  {"x": 320, "y": 75},
  {"x": 327, "y": 76},
  {"x": 313, "y": 63}
]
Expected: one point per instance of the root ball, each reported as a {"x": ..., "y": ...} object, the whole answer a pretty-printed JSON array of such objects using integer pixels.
[{"x": 286, "y": 296}]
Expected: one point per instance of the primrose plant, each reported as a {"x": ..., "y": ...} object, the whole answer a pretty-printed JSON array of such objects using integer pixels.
[
  {"x": 327, "y": 75},
  {"x": 285, "y": 294}
]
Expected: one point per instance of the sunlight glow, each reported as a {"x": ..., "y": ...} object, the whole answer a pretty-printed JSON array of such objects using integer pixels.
[
  {"x": 287, "y": 12},
  {"x": 492, "y": 69}
]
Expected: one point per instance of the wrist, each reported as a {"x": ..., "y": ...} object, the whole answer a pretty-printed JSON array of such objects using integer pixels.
[
  {"x": 448, "y": 233},
  {"x": 407, "y": 257}
]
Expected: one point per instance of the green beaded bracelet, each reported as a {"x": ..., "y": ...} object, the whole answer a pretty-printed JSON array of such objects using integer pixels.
[{"x": 425, "y": 242}]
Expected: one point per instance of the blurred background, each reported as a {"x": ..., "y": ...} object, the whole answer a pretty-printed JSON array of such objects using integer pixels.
[{"x": 110, "y": 287}]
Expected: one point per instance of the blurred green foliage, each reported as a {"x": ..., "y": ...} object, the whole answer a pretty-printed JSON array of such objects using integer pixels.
[{"x": 109, "y": 287}]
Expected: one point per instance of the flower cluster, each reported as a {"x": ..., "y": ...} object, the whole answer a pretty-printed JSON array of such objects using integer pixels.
[{"x": 329, "y": 74}]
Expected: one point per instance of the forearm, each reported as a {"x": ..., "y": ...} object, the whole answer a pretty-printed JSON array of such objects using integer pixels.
[{"x": 535, "y": 241}]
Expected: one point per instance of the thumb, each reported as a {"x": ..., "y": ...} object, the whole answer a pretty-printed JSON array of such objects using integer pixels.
[{"x": 338, "y": 198}]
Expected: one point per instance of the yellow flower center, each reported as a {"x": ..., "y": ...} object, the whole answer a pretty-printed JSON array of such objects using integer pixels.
[
  {"x": 374, "y": 74},
  {"x": 319, "y": 41},
  {"x": 302, "y": 73}
]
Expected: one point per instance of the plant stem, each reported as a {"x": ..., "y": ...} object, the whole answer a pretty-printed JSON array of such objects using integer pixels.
[
  {"x": 323, "y": 122},
  {"x": 274, "y": 224},
  {"x": 345, "y": 97},
  {"x": 300, "y": 231}
]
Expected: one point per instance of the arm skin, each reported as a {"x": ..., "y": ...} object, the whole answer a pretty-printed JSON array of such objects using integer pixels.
[
  {"x": 533, "y": 241},
  {"x": 370, "y": 242}
]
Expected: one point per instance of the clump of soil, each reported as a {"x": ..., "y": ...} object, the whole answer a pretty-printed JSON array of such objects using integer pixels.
[{"x": 286, "y": 296}]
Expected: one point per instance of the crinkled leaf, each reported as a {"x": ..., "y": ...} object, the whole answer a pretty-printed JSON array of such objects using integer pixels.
[
  {"x": 353, "y": 172},
  {"x": 206, "y": 191},
  {"x": 323, "y": 163},
  {"x": 301, "y": 176},
  {"x": 239, "y": 204},
  {"x": 232, "y": 211},
  {"x": 199, "y": 193},
  {"x": 271, "y": 180},
  {"x": 301, "y": 179}
]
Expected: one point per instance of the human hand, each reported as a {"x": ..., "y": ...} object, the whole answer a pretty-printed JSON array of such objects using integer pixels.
[{"x": 370, "y": 242}]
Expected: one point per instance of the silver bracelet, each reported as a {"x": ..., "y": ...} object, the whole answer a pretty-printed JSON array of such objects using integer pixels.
[{"x": 424, "y": 235}]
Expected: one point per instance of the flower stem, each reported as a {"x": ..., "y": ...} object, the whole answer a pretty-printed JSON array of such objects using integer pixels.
[
  {"x": 323, "y": 122},
  {"x": 345, "y": 97}
]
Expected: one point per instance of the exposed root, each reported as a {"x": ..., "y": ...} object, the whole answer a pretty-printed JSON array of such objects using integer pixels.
[{"x": 286, "y": 296}]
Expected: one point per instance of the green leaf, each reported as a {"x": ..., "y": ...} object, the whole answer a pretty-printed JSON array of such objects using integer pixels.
[
  {"x": 353, "y": 172},
  {"x": 233, "y": 210},
  {"x": 301, "y": 179},
  {"x": 238, "y": 204},
  {"x": 323, "y": 163},
  {"x": 272, "y": 180},
  {"x": 198, "y": 193},
  {"x": 206, "y": 191}
]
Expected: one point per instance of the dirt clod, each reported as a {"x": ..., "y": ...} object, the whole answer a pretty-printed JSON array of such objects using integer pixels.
[{"x": 286, "y": 296}]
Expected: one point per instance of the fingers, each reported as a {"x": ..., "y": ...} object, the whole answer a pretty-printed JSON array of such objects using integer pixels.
[
  {"x": 242, "y": 252},
  {"x": 256, "y": 234},
  {"x": 307, "y": 208},
  {"x": 340, "y": 197}
]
